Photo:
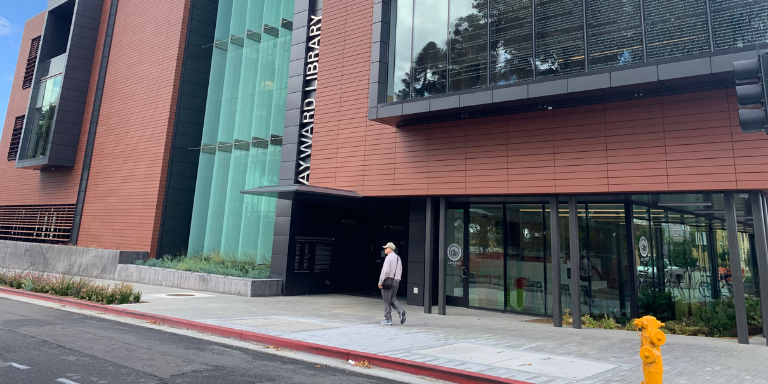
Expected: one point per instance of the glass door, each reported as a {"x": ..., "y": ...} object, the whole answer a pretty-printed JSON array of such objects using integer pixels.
[
  {"x": 455, "y": 260},
  {"x": 525, "y": 259},
  {"x": 486, "y": 256}
]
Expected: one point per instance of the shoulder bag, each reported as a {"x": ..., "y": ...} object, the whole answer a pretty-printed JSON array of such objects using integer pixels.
[{"x": 389, "y": 281}]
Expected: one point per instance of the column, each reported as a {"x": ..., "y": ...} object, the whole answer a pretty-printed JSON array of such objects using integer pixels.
[
  {"x": 738, "y": 279},
  {"x": 428, "y": 265},
  {"x": 554, "y": 234},
  {"x": 441, "y": 260},
  {"x": 573, "y": 230},
  {"x": 756, "y": 197}
]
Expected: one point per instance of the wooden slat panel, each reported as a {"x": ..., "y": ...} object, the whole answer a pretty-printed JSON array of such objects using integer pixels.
[{"x": 49, "y": 224}]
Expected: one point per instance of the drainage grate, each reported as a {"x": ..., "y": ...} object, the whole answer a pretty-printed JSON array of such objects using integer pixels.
[{"x": 180, "y": 294}]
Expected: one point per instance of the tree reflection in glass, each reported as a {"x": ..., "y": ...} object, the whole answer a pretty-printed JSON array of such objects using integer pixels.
[
  {"x": 511, "y": 41},
  {"x": 469, "y": 44},
  {"x": 430, "y": 38},
  {"x": 43, "y": 122}
]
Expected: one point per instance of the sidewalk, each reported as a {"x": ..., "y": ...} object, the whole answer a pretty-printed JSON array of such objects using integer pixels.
[{"x": 490, "y": 343}]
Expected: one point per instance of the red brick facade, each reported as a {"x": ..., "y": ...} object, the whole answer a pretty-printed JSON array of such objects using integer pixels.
[
  {"x": 690, "y": 142},
  {"x": 19, "y": 186},
  {"x": 127, "y": 178},
  {"x": 125, "y": 189}
]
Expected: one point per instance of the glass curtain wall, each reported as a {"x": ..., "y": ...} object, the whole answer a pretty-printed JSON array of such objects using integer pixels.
[
  {"x": 45, "y": 110},
  {"x": 439, "y": 46},
  {"x": 243, "y": 129}
]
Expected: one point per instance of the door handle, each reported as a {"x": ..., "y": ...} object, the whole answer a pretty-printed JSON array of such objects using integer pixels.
[{"x": 463, "y": 271}]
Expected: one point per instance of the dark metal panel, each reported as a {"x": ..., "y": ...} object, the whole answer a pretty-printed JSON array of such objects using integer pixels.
[
  {"x": 573, "y": 230},
  {"x": 724, "y": 63},
  {"x": 299, "y": 36},
  {"x": 446, "y": 102},
  {"x": 477, "y": 98},
  {"x": 635, "y": 76},
  {"x": 588, "y": 83},
  {"x": 761, "y": 243},
  {"x": 686, "y": 68},
  {"x": 548, "y": 88},
  {"x": 380, "y": 53},
  {"x": 441, "y": 260},
  {"x": 736, "y": 276},
  {"x": 390, "y": 110},
  {"x": 554, "y": 235},
  {"x": 511, "y": 93},
  {"x": 428, "y": 264},
  {"x": 419, "y": 106},
  {"x": 634, "y": 302},
  {"x": 376, "y": 92},
  {"x": 415, "y": 273}
]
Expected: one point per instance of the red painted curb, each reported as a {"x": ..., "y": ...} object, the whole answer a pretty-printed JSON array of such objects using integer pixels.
[{"x": 393, "y": 363}]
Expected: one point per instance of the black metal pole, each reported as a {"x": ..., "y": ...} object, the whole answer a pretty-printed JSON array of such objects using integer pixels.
[
  {"x": 634, "y": 302},
  {"x": 735, "y": 258},
  {"x": 762, "y": 252},
  {"x": 441, "y": 260},
  {"x": 573, "y": 230},
  {"x": 554, "y": 234},
  {"x": 428, "y": 267}
]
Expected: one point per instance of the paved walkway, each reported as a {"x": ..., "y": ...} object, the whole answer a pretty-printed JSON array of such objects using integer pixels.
[{"x": 502, "y": 345}]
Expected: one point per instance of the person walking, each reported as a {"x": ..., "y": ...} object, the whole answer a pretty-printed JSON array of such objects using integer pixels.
[{"x": 389, "y": 281}]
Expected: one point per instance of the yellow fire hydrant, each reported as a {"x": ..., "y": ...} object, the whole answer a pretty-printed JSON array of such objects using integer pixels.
[{"x": 651, "y": 339}]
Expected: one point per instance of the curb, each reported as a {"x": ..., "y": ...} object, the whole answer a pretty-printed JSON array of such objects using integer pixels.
[{"x": 395, "y": 364}]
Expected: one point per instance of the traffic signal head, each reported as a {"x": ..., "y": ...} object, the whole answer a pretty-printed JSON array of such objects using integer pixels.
[{"x": 751, "y": 93}]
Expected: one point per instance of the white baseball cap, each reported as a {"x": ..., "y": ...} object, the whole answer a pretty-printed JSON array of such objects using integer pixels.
[{"x": 390, "y": 246}]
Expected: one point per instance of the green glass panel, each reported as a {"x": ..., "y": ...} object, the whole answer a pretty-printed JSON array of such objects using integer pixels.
[
  {"x": 210, "y": 132},
  {"x": 246, "y": 100}
]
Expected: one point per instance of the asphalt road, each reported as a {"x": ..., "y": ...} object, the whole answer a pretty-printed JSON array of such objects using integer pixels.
[{"x": 44, "y": 345}]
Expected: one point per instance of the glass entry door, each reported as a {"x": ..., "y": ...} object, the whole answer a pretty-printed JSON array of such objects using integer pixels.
[
  {"x": 486, "y": 256},
  {"x": 456, "y": 283},
  {"x": 495, "y": 257}
]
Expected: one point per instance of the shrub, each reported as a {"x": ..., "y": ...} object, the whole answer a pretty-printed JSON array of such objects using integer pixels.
[
  {"x": 567, "y": 318},
  {"x": 658, "y": 304},
  {"x": 214, "y": 264},
  {"x": 77, "y": 287}
]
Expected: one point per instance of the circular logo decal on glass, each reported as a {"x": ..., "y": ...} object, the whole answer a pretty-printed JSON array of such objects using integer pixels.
[
  {"x": 643, "y": 246},
  {"x": 454, "y": 252}
]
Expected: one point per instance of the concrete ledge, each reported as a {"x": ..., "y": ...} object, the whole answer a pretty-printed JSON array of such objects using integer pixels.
[
  {"x": 64, "y": 259},
  {"x": 229, "y": 285}
]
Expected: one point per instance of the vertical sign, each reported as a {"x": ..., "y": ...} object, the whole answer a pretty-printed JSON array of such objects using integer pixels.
[{"x": 307, "y": 121}]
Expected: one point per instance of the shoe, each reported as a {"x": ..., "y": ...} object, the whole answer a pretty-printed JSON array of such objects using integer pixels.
[
  {"x": 402, "y": 316},
  {"x": 386, "y": 322}
]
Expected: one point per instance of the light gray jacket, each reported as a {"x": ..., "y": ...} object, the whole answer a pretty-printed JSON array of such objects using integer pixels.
[{"x": 392, "y": 264}]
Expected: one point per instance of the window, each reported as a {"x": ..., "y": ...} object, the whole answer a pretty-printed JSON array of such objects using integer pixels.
[
  {"x": 45, "y": 110},
  {"x": 439, "y": 46},
  {"x": 13, "y": 149},
  {"x": 29, "y": 71}
]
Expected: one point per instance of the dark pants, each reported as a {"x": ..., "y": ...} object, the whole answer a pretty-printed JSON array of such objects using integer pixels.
[{"x": 390, "y": 300}]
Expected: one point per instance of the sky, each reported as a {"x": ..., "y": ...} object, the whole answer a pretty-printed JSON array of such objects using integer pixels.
[{"x": 13, "y": 14}]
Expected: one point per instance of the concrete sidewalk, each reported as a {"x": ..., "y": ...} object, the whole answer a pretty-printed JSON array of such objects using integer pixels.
[{"x": 491, "y": 343}]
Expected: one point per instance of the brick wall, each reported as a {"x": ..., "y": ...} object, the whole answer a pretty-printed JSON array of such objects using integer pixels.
[
  {"x": 689, "y": 142},
  {"x": 22, "y": 186},
  {"x": 127, "y": 179}
]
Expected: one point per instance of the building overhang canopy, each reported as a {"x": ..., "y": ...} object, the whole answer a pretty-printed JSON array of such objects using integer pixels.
[{"x": 288, "y": 191}]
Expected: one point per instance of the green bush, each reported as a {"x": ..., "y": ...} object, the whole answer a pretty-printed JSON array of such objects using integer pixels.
[
  {"x": 657, "y": 304},
  {"x": 77, "y": 287},
  {"x": 214, "y": 264},
  {"x": 719, "y": 317}
]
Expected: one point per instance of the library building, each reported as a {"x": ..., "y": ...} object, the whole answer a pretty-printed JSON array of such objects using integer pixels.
[{"x": 544, "y": 157}]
